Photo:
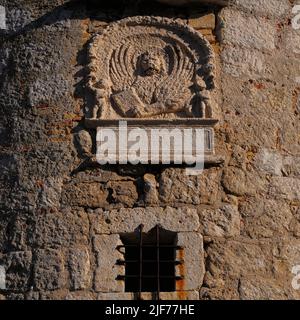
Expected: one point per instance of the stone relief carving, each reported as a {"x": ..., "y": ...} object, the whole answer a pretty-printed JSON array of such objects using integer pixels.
[{"x": 150, "y": 67}]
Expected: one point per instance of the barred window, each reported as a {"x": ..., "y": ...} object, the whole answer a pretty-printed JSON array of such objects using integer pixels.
[{"x": 150, "y": 260}]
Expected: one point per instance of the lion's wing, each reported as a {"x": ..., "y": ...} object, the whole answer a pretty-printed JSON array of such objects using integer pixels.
[
  {"x": 176, "y": 85},
  {"x": 121, "y": 69}
]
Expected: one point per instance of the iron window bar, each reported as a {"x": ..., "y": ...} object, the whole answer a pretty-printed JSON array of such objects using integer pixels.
[
  {"x": 149, "y": 246},
  {"x": 141, "y": 260},
  {"x": 123, "y": 262},
  {"x": 149, "y": 276},
  {"x": 157, "y": 257}
]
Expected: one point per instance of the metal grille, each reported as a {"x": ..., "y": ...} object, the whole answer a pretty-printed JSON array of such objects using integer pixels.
[{"x": 150, "y": 262}]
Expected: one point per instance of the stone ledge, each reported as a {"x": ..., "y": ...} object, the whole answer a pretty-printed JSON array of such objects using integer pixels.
[
  {"x": 215, "y": 160},
  {"x": 178, "y": 295},
  {"x": 188, "y": 122}
]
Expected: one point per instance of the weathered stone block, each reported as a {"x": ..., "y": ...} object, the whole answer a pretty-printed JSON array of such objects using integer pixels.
[
  {"x": 115, "y": 296},
  {"x": 241, "y": 182},
  {"x": 18, "y": 270},
  {"x": 4, "y": 54},
  {"x": 271, "y": 8},
  {"x": 8, "y": 167},
  {"x": 21, "y": 233},
  {"x": 177, "y": 187},
  {"x": 239, "y": 62},
  {"x": 291, "y": 166},
  {"x": 205, "y": 22},
  {"x": 84, "y": 142},
  {"x": 265, "y": 218},
  {"x": 239, "y": 157},
  {"x": 79, "y": 266},
  {"x": 182, "y": 219},
  {"x": 258, "y": 288},
  {"x": 17, "y": 17},
  {"x": 122, "y": 192},
  {"x": 269, "y": 161},
  {"x": 2, "y": 19},
  {"x": 51, "y": 192},
  {"x": 63, "y": 228},
  {"x": 91, "y": 195},
  {"x": 247, "y": 31},
  {"x": 295, "y": 224},
  {"x": 49, "y": 272},
  {"x": 291, "y": 40},
  {"x": 32, "y": 295},
  {"x": 256, "y": 128},
  {"x": 233, "y": 258},
  {"x": 150, "y": 190},
  {"x": 222, "y": 222},
  {"x": 107, "y": 270},
  {"x": 15, "y": 296},
  {"x": 60, "y": 294},
  {"x": 193, "y": 268},
  {"x": 80, "y": 295},
  {"x": 289, "y": 251},
  {"x": 285, "y": 188},
  {"x": 48, "y": 89}
]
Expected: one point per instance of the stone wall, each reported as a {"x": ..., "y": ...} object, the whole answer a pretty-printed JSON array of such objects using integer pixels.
[{"x": 58, "y": 208}]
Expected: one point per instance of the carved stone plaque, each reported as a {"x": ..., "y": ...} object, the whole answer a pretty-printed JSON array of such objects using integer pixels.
[{"x": 150, "y": 68}]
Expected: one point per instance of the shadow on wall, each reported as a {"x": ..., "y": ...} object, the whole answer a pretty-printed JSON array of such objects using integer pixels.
[{"x": 110, "y": 10}]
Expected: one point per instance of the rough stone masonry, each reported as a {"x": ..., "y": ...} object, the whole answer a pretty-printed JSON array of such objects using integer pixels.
[{"x": 61, "y": 213}]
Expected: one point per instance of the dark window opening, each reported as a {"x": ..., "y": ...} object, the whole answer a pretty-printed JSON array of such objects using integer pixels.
[{"x": 150, "y": 260}]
